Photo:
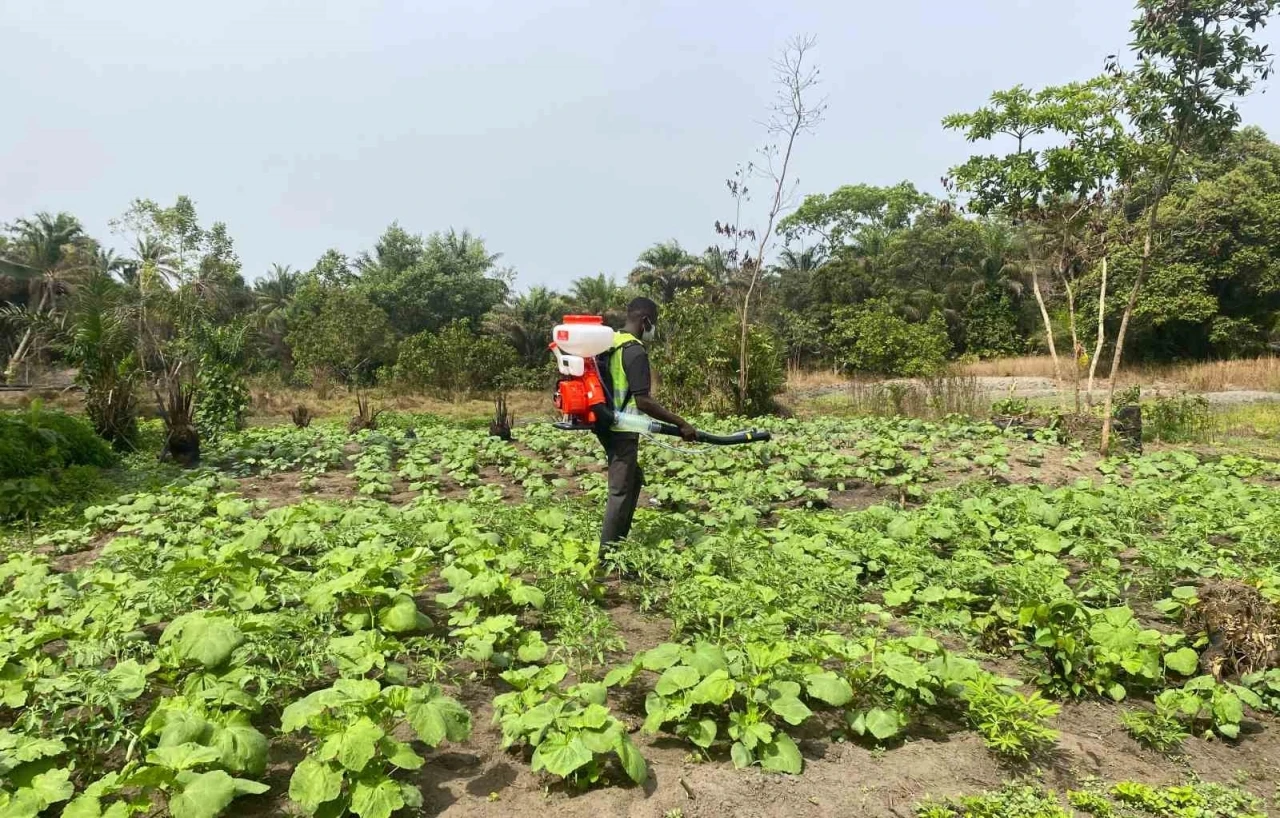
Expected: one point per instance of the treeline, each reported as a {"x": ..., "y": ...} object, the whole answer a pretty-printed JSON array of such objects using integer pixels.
[
  {"x": 880, "y": 280},
  {"x": 877, "y": 280},
  {"x": 1127, "y": 214}
]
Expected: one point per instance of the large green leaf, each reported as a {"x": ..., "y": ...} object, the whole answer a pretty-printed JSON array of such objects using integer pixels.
[
  {"x": 359, "y": 743},
  {"x": 829, "y": 687},
  {"x": 53, "y": 786},
  {"x": 206, "y": 795},
  {"x": 716, "y": 688},
  {"x": 903, "y": 670},
  {"x": 313, "y": 783},
  {"x": 403, "y": 616},
  {"x": 632, "y": 762},
  {"x": 436, "y": 717},
  {"x": 22, "y": 804},
  {"x": 129, "y": 679},
  {"x": 183, "y": 756},
  {"x": 677, "y": 678},
  {"x": 708, "y": 658},
  {"x": 701, "y": 732},
  {"x": 792, "y": 710},
  {"x": 376, "y": 798},
  {"x": 661, "y": 657},
  {"x": 781, "y": 755},
  {"x": 560, "y": 755},
  {"x": 242, "y": 748},
  {"x": 523, "y": 594},
  {"x": 204, "y": 638},
  {"x": 297, "y": 714},
  {"x": 1183, "y": 661},
  {"x": 400, "y": 755},
  {"x": 879, "y": 722},
  {"x": 183, "y": 726}
]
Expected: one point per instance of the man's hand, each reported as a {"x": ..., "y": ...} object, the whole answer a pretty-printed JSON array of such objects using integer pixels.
[{"x": 657, "y": 411}]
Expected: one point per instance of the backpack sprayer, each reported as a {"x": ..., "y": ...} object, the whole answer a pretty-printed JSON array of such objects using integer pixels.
[{"x": 580, "y": 395}]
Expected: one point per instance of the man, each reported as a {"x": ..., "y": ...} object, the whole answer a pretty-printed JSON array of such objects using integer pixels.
[{"x": 624, "y": 369}]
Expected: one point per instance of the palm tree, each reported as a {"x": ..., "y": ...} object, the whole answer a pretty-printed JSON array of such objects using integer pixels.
[
  {"x": 273, "y": 297},
  {"x": 46, "y": 251},
  {"x": 99, "y": 338},
  {"x": 596, "y": 295},
  {"x": 153, "y": 261},
  {"x": 803, "y": 262},
  {"x": 273, "y": 293},
  {"x": 527, "y": 320},
  {"x": 665, "y": 269}
]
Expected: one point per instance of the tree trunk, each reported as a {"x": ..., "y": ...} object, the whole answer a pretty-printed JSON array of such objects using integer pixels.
[
  {"x": 1153, "y": 213},
  {"x": 22, "y": 350},
  {"x": 1076, "y": 348},
  {"x": 1124, "y": 325},
  {"x": 1102, "y": 332},
  {"x": 744, "y": 361},
  {"x": 1048, "y": 332}
]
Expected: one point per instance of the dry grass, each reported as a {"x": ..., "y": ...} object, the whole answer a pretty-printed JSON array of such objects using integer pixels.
[
  {"x": 272, "y": 404},
  {"x": 929, "y": 398},
  {"x": 1262, "y": 374},
  {"x": 1027, "y": 366},
  {"x": 799, "y": 380}
]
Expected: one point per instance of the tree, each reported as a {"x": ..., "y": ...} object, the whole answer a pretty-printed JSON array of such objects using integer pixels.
[
  {"x": 46, "y": 251},
  {"x": 98, "y": 339},
  {"x": 1194, "y": 59},
  {"x": 334, "y": 269},
  {"x": 454, "y": 361},
  {"x": 422, "y": 285},
  {"x": 665, "y": 269},
  {"x": 527, "y": 321},
  {"x": 1053, "y": 188},
  {"x": 597, "y": 295},
  {"x": 794, "y": 112},
  {"x": 339, "y": 332},
  {"x": 860, "y": 217},
  {"x": 273, "y": 299}
]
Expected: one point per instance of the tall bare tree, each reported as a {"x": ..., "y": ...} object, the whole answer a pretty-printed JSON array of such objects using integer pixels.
[{"x": 794, "y": 112}]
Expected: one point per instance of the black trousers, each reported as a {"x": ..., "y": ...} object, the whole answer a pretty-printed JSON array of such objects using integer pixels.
[{"x": 625, "y": 480}]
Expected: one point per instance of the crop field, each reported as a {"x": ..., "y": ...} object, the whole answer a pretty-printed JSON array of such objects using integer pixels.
[{"x": 881, "y": 617}]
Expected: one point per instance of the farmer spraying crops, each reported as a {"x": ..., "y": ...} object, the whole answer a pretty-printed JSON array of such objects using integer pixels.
[
  {"x": 625, "y": 373},
  {"x": 605, "y": 387}
]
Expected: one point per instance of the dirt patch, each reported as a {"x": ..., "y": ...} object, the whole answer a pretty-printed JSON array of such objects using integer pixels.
[
  {"x": 640, "y": 631},
  {"x": 860, "y": 496},
  {"x": 68, "y": 563},
  {"x": 285, "y": 488}
]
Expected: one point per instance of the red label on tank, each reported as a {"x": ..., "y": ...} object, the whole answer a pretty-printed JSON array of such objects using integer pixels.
[{"x": 562, "y": 335}]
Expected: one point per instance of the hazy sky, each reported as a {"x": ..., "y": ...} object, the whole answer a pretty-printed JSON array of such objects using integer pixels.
[{"x": 570, "y": 135}]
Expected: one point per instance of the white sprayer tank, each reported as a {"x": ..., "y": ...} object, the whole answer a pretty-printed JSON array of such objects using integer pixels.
[{"x": 582, "y": 335}]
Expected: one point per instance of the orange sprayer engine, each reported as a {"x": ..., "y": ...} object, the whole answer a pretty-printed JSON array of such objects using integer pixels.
[{"x": 580, "y": 394}]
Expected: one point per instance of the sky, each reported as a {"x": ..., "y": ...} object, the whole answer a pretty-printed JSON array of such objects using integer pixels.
[{"x": 570, "y": 134}]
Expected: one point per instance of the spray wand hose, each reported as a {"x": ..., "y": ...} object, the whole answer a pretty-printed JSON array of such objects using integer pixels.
[{"x": 648, "y": 426}]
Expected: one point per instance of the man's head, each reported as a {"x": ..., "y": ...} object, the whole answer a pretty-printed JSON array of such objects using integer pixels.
[{"x": 642, "y": 315}]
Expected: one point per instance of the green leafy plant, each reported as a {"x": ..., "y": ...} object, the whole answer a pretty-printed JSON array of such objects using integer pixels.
[
  {"x": 1159, "y": 729},
  {"x": 352, "y": 753},
  {"x": 571, "y": 731},
  {"x": 706, "y": 691},
  {"x": 1012, "y": 724}
]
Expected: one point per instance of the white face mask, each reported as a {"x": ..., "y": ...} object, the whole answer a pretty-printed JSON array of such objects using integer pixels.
[{"x": 649, "y": 333}]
